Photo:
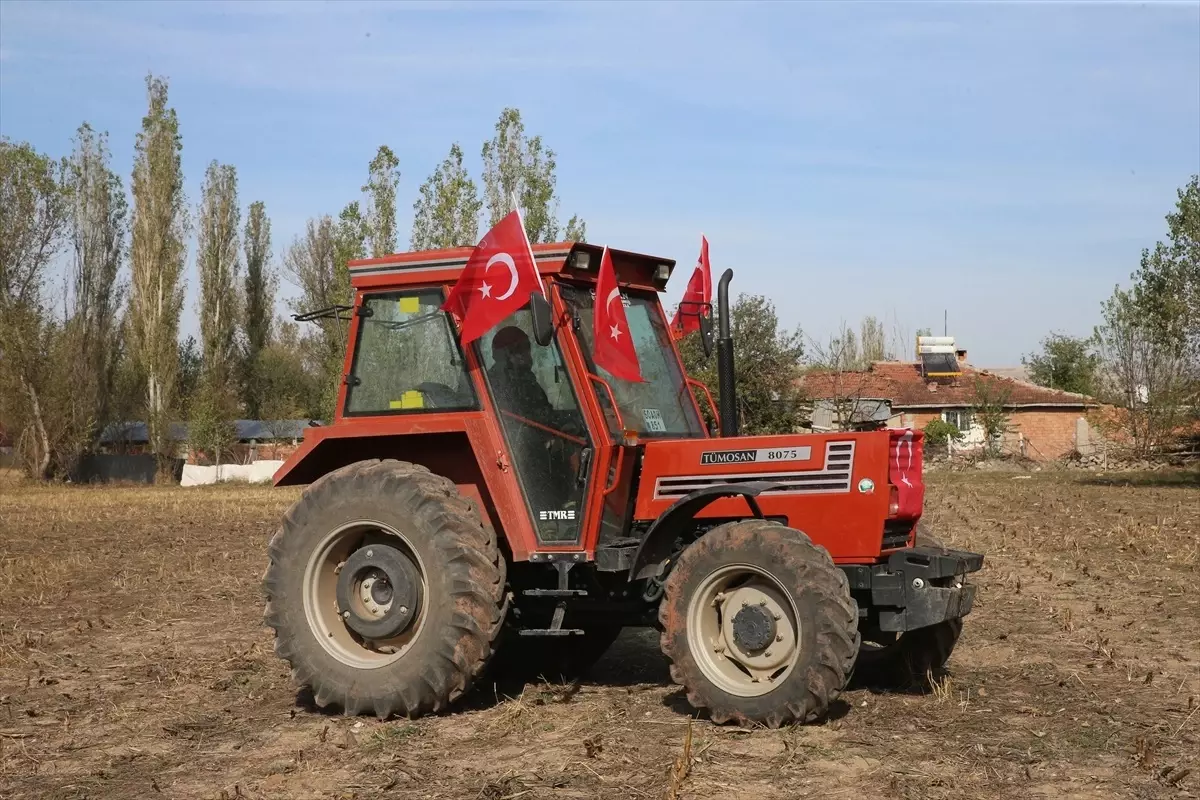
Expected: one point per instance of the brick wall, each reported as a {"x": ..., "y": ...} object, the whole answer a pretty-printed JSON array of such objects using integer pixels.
[{"x": 1049, "y": 434}]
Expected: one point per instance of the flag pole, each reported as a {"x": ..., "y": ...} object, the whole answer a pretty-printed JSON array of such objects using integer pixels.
[{"x": 512, "y": 197}]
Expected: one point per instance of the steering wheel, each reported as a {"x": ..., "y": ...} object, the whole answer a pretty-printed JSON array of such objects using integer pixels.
[{"x": 573, "y": 434}]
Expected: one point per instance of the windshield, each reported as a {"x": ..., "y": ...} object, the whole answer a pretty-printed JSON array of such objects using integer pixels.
[{"x": 662, "y": 405}]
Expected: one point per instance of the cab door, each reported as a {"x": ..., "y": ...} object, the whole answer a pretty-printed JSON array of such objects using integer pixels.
[{"x": 550, "y": 444}]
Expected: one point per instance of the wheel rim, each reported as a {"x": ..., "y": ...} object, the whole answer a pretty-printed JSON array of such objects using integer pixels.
[
  {"x": 743, "y": 630},
  {"x": 371, "y": 595}
]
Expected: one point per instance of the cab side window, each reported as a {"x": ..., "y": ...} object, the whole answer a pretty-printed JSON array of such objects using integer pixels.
[{"x": 407, "y": 358}]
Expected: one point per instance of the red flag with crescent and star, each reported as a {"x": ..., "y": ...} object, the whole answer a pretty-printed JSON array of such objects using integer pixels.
[
  {"x": 697, "y": 298},
  {"x": 497, "y": 280},
  {"x": 614, "y": 346}
]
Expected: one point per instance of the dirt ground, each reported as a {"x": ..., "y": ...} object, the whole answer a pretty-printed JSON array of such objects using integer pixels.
[{"x": 134, "y": 664}]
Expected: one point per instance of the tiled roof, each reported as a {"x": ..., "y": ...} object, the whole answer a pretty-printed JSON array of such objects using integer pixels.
[{"x": 903, "y": 384}]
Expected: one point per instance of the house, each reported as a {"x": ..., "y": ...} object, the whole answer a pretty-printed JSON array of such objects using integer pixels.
[{"x": 1043, "y": 424}]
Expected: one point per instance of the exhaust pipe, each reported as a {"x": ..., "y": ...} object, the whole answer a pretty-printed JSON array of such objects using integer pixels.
[{"x": 725, "y": 372}]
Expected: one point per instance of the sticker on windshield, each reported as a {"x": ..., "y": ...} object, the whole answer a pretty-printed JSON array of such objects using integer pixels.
[
  {"x": 771, "y": 454},
  {"x": 654, "y": 420}
]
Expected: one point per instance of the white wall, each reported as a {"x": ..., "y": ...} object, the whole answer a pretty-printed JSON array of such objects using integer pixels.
[{"x": 254, "y": 472}]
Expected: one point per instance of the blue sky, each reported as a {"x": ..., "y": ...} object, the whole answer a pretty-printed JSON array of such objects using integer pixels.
[{"x": 1006, "y": 162}]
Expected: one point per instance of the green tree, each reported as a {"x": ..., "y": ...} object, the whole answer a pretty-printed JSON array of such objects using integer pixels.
[
  {"x": 767, "y": 359},
  {"x": 1149, "y": 337},
  {"x": 938, "y": 432},
  {"x": 217, "y": 260},
  {"x": 350, "y": 243},
  {"x": 379, "y": 221},
  {"x": 292, "y": 390},
  {"x": 447, "y": 212},
  {"x": 989, "y": 406},
  {"x": 1067, "y": 363},
  {"x": 316, "y": 263},
  {"x": 214, "y": 406},
  {"x": 259, "y": 304},
  {"x": 211, "y": 430},
  {"x": 576, "y": 230},
  {"x": 191, "y": 367},
  {"x": 872, "y": 342},
  {"x": 520, "y": 166},
  {"x": 160, "y": 226},
  {"x": 1167, "y": 284},
  {"x": 33, "y": 218},
  {"x": 97, "y": 224},
  {"x": 1147, "y": 378}
]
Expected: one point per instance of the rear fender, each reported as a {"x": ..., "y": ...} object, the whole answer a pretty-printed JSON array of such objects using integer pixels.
[
  {"x": 447, "y": 454},
  {"x": 659, "y": 542}
]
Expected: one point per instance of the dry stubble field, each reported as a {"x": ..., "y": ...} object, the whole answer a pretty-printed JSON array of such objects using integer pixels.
[{"x": 133, "y": 664}]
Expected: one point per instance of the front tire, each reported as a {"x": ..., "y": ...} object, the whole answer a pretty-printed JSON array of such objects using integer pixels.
[
  {"x": 385, "y": 590},
  {"x": 759, "y": 625}
]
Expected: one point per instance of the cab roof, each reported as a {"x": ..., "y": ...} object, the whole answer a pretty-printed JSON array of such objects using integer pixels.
[{"x": 578, "y": 260}]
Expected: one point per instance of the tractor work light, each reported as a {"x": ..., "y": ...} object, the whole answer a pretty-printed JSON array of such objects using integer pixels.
[
  {"x": 662, "y": 272},
  {"x": 581, "y": 260}
]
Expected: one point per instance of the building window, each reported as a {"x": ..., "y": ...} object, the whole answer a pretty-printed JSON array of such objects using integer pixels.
[{"x": 959, "y": 418}]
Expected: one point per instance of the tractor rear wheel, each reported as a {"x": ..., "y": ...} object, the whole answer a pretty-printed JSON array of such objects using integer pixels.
[
  {"x": 909, "y": 659},
  {"x": 759, "y": 625},
  {"x": 385, "y": 590}
]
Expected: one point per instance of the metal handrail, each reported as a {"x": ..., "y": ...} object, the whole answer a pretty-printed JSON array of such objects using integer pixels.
[
  {"x": 712, "y": 406},
  {"x": 612, "y": 398}
]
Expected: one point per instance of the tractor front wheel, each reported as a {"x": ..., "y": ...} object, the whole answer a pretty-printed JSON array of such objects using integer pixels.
[
  {"x": 385, "y": 590},
  {"x": 759, "y": 625}
]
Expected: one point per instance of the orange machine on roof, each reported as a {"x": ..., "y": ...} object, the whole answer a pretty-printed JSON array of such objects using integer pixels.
[{"x": 512, "y": 496}]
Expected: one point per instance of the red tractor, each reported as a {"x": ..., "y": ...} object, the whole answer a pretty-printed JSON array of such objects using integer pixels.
[{"x": 506, "y": 502}]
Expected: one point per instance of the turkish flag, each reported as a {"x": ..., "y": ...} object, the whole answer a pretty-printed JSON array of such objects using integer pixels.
[
  {"x": 497, "y": 280},
  {"x": 614, "y": 345},
  {"x": 697, "y": 298}
]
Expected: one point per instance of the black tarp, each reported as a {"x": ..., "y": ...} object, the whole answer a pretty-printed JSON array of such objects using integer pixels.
[{"x": 103, "y": 468}]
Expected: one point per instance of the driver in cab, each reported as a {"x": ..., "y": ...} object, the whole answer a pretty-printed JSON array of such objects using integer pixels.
[{"x": 513, "y": 381}]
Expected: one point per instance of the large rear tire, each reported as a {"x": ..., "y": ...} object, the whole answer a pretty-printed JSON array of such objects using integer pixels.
[
  {"x": 759, "y": 625},
  {"x": 911, "y": 658},
  {"x": 385, "y": 590}
]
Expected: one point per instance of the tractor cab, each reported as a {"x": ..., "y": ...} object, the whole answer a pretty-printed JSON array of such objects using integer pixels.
[{"x": 564, "y": 423}]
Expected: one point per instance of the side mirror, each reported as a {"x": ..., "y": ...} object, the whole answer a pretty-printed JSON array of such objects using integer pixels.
[
  {"x": 542, "y": 317},
  {"x": 706, "y": 335}
]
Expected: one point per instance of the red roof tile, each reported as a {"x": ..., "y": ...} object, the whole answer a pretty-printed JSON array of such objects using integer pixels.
[{"x": 903, "y": 385}]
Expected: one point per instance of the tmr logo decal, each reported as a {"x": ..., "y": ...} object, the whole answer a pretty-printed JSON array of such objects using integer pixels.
[
  {"x": 546, "y": 516},
  {"x": 716, "y": 457},
  {"x": 832, "y": 478}
]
